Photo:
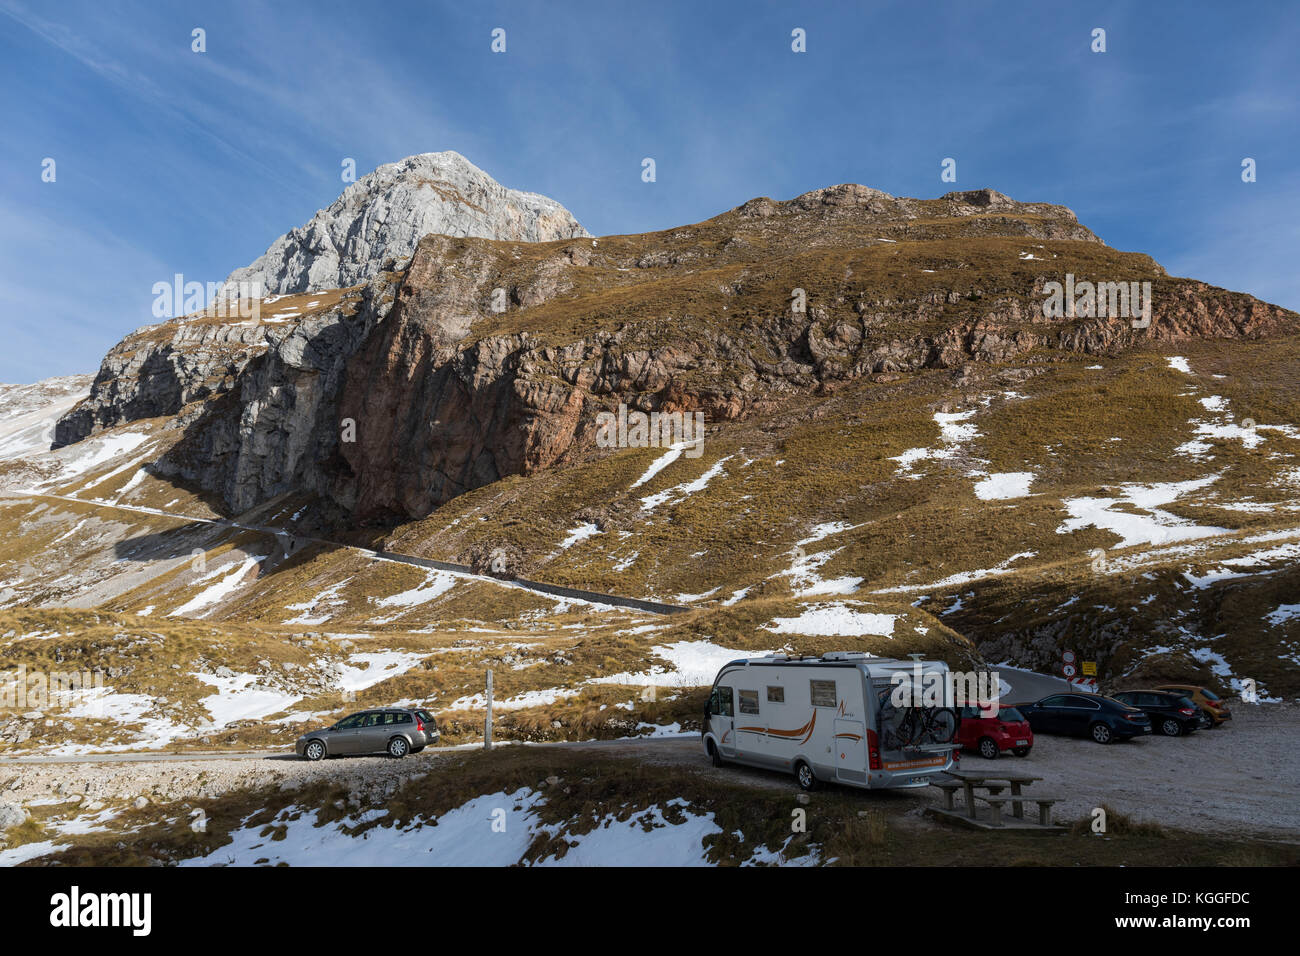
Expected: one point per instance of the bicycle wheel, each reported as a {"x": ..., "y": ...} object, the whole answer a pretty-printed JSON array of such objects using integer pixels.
[{"x": 942, "y": 725}]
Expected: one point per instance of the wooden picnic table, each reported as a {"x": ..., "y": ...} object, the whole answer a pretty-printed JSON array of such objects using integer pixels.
[{"x": 994, "y": 783}]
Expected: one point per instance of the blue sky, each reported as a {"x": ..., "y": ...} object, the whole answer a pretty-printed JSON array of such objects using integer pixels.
[{"x": 173, "y": 161}]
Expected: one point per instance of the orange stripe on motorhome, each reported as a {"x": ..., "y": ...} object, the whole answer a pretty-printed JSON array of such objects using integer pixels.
[
  {"x": 811, "y": 724},
  {"x": 806, "y": 730}
]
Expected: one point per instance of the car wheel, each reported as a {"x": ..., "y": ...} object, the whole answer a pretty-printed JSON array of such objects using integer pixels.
[
  {"x": 988, "y": 748},
  {"x": 1022, "y": 751},
  {"x": 398, "y": 747},
  {"x": 803, "y": 772},
  {"x": 315, "y": 750},
  {"x": 715, "y": 754},
  {"x": 1170, "y": 727},
  {"x": 1100, "y": 733}
]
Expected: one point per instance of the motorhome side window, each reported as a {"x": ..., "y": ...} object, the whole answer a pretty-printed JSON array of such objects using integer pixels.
[
  {"x": 720, "y": 703},
  {"x": 776, "y": 695},
  {"x": 749, "y": 702},
  {"x": 822, "y": 692}
]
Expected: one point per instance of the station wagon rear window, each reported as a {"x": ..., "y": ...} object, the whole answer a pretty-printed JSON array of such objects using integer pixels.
[
  {"x": 748, "y": 701},
  {"x": 822, "y": 693}
]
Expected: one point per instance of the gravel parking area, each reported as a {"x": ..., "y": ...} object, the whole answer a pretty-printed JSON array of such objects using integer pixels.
[
  {"x": 1243, "y": 777},
  {"x": 162, "y": 781},
  {"x": 162, "y": 778}
]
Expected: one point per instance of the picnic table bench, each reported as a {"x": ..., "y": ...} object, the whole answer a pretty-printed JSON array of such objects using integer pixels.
[
  {"x": 993, "y": 784},
  {"x": 995, "y": 803}
]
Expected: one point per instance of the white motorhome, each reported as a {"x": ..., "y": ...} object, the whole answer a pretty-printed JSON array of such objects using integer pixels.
[{"x": 825, "y": 718}]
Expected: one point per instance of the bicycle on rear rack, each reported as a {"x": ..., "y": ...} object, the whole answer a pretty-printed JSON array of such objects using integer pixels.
[{"x": 903, "y": 727}]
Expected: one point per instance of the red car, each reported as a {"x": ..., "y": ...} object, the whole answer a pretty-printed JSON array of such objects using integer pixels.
[{"x": 991, "y": 731}]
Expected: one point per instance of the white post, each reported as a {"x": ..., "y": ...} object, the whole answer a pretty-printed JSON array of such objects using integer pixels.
[{"x": 487, "y": 723}]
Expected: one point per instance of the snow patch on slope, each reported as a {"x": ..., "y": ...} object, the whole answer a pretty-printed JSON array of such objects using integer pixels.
[{"x": 835, "y": 620}]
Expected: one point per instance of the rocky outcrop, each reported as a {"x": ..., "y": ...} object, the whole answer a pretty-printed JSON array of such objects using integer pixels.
[
  {"x": 384, "y": 214},
  {"x": 160, "y": 369},
  {"x": 972, "y": 212}
]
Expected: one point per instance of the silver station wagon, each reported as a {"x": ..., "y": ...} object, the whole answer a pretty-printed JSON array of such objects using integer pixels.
[{"x": 396, "y": 731}]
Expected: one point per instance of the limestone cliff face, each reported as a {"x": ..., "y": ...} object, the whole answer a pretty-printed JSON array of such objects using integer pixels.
[
  {"x": 384, "y": 214},
  {"x": 469, "y": 413},
  {"x": 276, "y": 429}
]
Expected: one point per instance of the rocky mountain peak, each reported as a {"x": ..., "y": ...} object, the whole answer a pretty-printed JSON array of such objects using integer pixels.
[{"x": 383, "y": 215}]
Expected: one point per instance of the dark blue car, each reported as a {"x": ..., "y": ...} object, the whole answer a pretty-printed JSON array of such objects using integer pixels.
[{"x": 1104, "y": 719}]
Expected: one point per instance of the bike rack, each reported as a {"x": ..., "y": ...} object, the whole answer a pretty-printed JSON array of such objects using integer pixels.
[{"x": 936, "y": 748}]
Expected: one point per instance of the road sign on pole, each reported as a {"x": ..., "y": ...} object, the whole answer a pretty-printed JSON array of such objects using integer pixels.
[{"x": 1089, "y": 668}]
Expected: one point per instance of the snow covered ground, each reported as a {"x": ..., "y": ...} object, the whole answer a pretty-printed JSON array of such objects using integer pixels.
[
  {"x": 835, "y": 619},
  {"x": 491, "y": 830},
  {"x": 955, "y": 430},
  {"x": 231, "y": 577},
  {"x": 689, "y": 664},
  {"x": 1156, "y": 526},
  {"x": 28, "y": 413},
  {"x": 685, "y": 489},
  {"x": 1004, "y": 485}
]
